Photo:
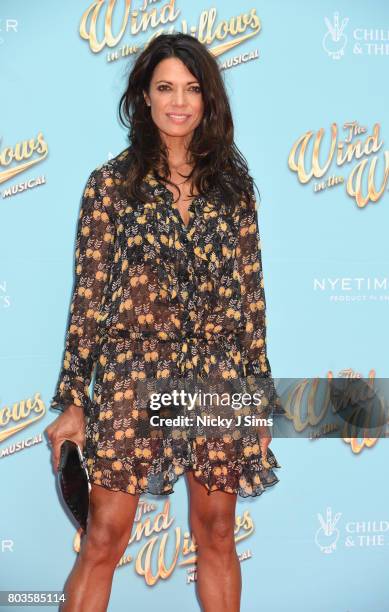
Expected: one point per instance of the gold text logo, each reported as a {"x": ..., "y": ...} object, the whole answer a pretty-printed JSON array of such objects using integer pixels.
[
  {"x": 20, "y": 156},
  {"x": 20, "y": 415},
  {"x": 357, "y": 146},
  {"x": 100, "y": 14}
]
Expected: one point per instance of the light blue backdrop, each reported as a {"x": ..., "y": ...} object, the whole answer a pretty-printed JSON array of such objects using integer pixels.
[{"x": 51, "y": 82}]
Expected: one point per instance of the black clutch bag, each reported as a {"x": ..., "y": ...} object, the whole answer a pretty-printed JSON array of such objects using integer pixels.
[{"x": 74, "y": 481}]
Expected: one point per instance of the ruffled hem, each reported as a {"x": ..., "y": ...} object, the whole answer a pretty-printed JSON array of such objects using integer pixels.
[
  {"x": 252, "y": 476},
  {"x": 247, "y": 478}
]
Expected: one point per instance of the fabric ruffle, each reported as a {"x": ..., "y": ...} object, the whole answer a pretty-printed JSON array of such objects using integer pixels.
[
  {"x": 70, "y": 389},
  {"x": 248, "y": 476}
]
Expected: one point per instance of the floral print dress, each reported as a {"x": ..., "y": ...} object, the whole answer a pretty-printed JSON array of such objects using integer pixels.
[{"x": 155, "y": 299}]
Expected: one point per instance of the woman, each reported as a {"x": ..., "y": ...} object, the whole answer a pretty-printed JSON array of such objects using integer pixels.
[{"x": 168, "y": 287}]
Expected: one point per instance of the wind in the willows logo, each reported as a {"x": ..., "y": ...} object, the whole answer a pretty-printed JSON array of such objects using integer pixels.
[
  {"x": 105, "y": 23},
  {"x": 368, "y": 178},
  {"x": 163, "y": 546},
  {"x": 19, "y": 415},
  {"x": 21, "y": 157}
]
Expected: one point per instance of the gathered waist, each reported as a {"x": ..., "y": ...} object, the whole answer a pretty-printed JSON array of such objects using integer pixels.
[
  {"x": 166, "y": 337},
  {"x": 191, "y": 350}
]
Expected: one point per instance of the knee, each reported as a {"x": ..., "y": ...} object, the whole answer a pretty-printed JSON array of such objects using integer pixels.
[
  {"x": 216, "y": 534},
  {"x": 103, "y": 544}
]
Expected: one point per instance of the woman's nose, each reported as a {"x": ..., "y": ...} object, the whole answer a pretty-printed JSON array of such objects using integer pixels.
[{"x": 179, "y": 97}]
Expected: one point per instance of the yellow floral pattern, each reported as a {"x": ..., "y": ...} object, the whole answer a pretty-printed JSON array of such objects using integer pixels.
[{"x": 154, "y": 298}]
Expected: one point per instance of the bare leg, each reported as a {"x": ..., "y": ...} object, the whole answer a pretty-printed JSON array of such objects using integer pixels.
[
  {"x": 111, "y": 519},
  {"x": 212, "y": 519}
]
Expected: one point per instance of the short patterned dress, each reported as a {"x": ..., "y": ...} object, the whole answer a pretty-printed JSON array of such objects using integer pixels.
[{"x": 156, "y": 299}]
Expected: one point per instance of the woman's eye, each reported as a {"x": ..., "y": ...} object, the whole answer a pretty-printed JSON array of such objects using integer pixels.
[{"x": 195, "y": 88}]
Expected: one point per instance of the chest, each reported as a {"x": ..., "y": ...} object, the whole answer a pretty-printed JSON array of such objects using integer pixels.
[{"x": 182, "y": 199}]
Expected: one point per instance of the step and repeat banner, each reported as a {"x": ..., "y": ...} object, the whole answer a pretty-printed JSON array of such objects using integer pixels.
[{"x": 309, "y": 93}]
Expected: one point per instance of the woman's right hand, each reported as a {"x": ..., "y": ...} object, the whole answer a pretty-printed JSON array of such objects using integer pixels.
[{"x": 70, "y": 425}]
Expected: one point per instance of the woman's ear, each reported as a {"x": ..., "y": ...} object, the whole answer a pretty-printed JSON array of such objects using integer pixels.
[{"x": 146, "y": 98}]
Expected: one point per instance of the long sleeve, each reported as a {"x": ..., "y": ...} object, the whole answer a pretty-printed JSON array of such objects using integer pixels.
[
  {"x": 92, "y": 263},
  {"x": 253, "y": 307}
]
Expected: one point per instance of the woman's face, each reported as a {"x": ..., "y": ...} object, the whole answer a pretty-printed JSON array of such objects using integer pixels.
[{"x": 175, "y": 99}]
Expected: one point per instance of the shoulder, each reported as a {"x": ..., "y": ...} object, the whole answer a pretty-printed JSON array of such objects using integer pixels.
[
  {"x": 248, "y": 199},
  {"x": 105, "y": 180},
  {"x": 114, "y": 169},
  {"x": 241, "y": 178}
]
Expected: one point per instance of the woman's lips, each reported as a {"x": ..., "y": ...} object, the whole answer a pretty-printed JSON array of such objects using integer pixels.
[{"x": 178, "y": 117}]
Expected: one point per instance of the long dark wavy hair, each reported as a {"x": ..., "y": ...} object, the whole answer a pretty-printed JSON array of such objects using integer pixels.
[{"x": 217, "y": 162}]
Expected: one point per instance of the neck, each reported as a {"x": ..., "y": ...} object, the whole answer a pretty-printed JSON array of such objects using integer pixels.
[{"x": 177, "y": 147}]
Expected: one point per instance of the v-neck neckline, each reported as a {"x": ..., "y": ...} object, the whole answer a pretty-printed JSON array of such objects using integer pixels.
[{"x": 173, "y": 206}]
